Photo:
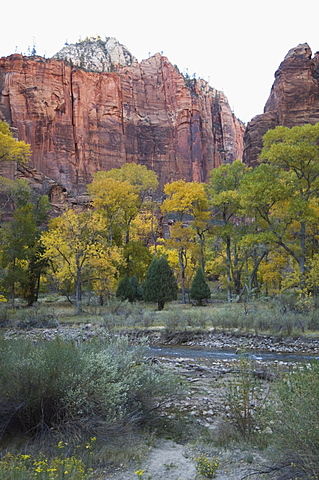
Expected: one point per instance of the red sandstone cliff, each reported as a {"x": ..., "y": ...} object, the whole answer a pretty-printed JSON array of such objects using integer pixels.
[
  {"x": 294, "y": 99},
  {"x": 78, "y": 122}
]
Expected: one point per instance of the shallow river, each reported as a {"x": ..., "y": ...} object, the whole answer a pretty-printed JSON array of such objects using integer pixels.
[{"x": 223, "y": 354}]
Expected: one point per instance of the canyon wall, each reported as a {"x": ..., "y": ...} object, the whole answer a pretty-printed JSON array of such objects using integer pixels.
[
  {"x": 293, "y": 100},
  {"x": 79, "y": 122}
]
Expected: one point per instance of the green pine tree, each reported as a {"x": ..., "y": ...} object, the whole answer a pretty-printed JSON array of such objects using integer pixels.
[
  {"x": 138, "y": 292},
  {"x": 199, "y": 289},
  {"x": 160, "y": 284},
  {"x": 125, "y": 290}
]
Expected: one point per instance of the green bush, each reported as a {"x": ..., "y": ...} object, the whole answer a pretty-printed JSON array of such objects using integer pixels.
[
  {"x": 294, "y": 421},
  {"x": 80, "y": 390}
]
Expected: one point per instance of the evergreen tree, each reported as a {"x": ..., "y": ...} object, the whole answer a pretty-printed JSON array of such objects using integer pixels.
[
  {"x": 138, "y": 292},
  {"x": 160, "y": 284},
  {"x": 125, "y": 290},
  {"x": 199, "y": 290}
]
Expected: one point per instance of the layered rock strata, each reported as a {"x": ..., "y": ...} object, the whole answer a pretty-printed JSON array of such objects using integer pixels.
[
  {"x": 293, "y": 100},
  {"x": 79, "y": 122}
]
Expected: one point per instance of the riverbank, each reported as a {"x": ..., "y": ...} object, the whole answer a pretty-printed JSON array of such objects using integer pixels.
[
  {"x": 160, "y": 336},
  {"x": 232, "y": 340},
  {"x": 198, "y": 422}
]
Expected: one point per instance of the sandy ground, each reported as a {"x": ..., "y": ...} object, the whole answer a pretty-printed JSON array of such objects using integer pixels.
[{"x": 171, "y": 461}]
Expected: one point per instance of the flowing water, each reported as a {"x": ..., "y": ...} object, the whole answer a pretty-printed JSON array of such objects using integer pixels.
[{"x": 199, "y": 353}]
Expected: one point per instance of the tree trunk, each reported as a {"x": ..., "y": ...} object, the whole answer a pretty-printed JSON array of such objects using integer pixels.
[
  {"x": 182, "y": 264},
  {"x": 302, "y": 257},
  {"x": 247, "y": 285},
  {"x": 160, "y": 305},
  {"x": 78, "y": 291},
  {"x": 202, "y": 248},
  {"x": 13, "y": 283},
  {"x": 228, "y": 263}
]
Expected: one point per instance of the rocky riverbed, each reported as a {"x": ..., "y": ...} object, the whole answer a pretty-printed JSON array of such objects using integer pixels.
[{"x": 159, "y": 336}]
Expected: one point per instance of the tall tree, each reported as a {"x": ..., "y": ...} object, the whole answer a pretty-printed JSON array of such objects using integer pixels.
[
  {"x": 160, "y": 284},
  {"x": 182, "y": 241},
  {"x": 227, "y": 214},
  {"x": 75, "y": 246},
  {"x": 199, "y": 289},
  {"x": 283, "y": 194},
  {"x": 118, "y": 201},
  {"x": 20, "y": 249},
  {"x": 125, "y": 195},
  {"x": 187, "y": 204}
]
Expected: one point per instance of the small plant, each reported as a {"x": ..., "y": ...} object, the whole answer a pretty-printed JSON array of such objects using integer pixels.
[
  {"x": 206, "y": 467},
  {"x": 20, "y": 467},
  {"x": 244, "y": 399},
  {"x": 140, "y": 475},
  {"x": 169, "y": 466}
]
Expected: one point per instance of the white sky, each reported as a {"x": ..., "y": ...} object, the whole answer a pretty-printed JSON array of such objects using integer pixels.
[{"x": 236, "y": 45}]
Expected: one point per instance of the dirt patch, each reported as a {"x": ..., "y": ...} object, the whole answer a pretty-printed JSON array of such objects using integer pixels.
[
  {"x": 171, "y": 461},
  {"x": 167, "y": 460}
]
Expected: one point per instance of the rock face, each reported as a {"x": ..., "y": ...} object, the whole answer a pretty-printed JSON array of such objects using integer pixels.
[
  {"x": 96, "y": 54},
  {"x": 79, "y": 122},
  {"x": 294, "y": 99}
]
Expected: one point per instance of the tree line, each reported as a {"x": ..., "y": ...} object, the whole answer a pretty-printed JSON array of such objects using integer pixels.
[{"x": 250, "y": 231}]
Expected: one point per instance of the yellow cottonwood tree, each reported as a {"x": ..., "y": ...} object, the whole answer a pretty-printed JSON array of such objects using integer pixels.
[
  {"x": 124, "y": 195},
  {"x": 117, "y": 200},
  {"x": 10, "y": 148},
  {"x": 143, "y": 180},
  {"x": 75, "y": 246},
  {"x": 283, "y": 194},
  {"x": 187, "y": 200},
  {"x": 225, "y": 202}
]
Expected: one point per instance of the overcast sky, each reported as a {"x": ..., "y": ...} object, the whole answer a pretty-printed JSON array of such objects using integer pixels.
[{"x": 235, "y": 45}]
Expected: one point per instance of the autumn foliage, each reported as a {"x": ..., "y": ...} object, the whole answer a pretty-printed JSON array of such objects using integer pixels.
[{"x": 249, "y": 231}]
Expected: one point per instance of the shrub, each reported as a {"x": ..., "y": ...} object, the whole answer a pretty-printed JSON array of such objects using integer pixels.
[
  {"x": 80, "y": 390},
  {"x": 294, "y": 421},
  {"x": 244, "y": 399},
  {"x": 176, "y": 320}
]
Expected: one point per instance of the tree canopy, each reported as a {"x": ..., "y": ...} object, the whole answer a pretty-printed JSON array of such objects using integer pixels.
[
  {"x": 250, "y": 231},
  {"x": 10, "y": 148}
]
